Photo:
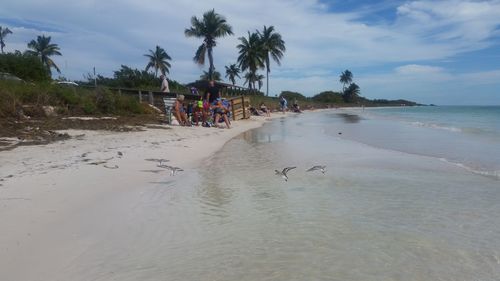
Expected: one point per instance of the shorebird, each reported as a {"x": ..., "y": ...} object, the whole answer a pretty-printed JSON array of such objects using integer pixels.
[
  {"x": 172, "y": 170},
  {"x": 316, "y": 168},
  {"x": 157, "y": 160},
  {"x": 284, "y": 172}
]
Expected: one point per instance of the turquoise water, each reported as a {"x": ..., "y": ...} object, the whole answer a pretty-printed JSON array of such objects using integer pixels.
[
  {"x": 473, "y": 120},
  {"x": 468, "y": 136}
]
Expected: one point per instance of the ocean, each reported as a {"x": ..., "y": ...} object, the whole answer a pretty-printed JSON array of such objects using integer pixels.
[{"x": 404, "y": 197}]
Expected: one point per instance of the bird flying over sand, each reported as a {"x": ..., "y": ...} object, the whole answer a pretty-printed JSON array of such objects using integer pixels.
[
  {"x": 173, "y": 170},
  {"x": 157, "y": 160},
  {"x": 317, "y": 168},
  {"x": 283, "y": 173}
]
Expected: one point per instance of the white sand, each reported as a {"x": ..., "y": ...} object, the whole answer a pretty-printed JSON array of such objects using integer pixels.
[{"x": 54, "y": 203}]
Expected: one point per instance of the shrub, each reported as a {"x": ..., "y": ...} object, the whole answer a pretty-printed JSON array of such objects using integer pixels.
[
  {"x": 105, "y": 100},
  {"x": 26, "y": 67}
]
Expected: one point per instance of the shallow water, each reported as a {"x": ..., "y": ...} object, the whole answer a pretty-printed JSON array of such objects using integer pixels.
[{"x": 375, "y": 215}]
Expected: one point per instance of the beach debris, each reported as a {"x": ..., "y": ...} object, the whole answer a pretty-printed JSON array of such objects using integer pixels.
[
  {"x": 173, "y": 170},
  {"x": 283, "y": 173},
  {"x": 120, "y": 154},
  {"x": 317, "y": 168},
  {"x": 340, "y": 133}
]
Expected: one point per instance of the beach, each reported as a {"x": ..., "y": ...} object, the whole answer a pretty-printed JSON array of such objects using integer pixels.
[
  {"x": 378, "y": 213},
  {"x": 58, "y": 198}
]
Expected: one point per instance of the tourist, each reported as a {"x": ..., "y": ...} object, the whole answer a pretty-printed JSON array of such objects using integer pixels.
[
  {"x": 212, "y": 93},
  {"x": 264, "y": 109},
  {"x": 179, "y": 112},
  {"x": 283, "y": 104},
  {"x": 164, "y": 84},
  {"x": 220, "y": 111},
  {"x": 198, "y": 112}
]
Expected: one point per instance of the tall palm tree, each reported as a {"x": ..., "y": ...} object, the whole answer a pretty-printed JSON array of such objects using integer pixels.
[
  {"x": 211, "y": 27},
  {"x": 3, "y": 34},
  {"x": 250, "y": 56},
  {"x": 345, "y": 78},
  {"x": 158, "y": 59},
  {"x": 43, "y": 49},
  {"x": 273, "y": 47},
  {"x": 232, "y": 71}
]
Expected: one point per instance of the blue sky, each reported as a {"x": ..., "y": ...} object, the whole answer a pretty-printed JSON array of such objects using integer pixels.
[{"x": 442, "y": 52}]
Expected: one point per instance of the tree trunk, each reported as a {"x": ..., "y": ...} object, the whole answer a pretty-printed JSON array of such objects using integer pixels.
[
  {"x": 267, "y": 83},
  {"x": 211, "y": 67}
]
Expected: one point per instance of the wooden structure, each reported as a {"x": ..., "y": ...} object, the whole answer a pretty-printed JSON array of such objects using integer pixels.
[{"x": 240, "y": 107}]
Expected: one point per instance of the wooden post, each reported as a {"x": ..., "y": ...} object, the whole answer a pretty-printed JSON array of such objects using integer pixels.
[
  {"x": 151, "y": 98},
  {"x": 243, "y": 106},
  {"x": 140, "y": 96},
  {"x": 120, "y": 92},
  {"x": 232, "y": 108}
]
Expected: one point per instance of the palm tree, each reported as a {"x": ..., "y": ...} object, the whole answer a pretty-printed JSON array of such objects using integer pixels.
[
  {"x": 216, "y": 76},
  {"x": 345, "y": 78},
  {"x": 43, "y": 49},
  {"x": 211, "y": 27},
  {"x": 259, "y": 79},
  {"x": 251, "y": 56},
  {"x": 158, "y": 59},
  {"x": 351, "y": 93},
  {"x": 3, "y": 34},
  {"x": 232, "y": 71},
  {"x": 250, "y": 78},
  {"x": 273, "y": 47}
]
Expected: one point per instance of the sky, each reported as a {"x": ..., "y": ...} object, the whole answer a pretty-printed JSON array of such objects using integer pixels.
[{"x": 440, "y": 52}]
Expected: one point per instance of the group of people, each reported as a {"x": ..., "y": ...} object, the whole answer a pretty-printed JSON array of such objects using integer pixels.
[{"x": 210, "y": 107}]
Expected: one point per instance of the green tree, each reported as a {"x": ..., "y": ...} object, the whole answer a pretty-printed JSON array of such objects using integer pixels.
[
  {"x": 250, "y": 57},
  {"x": 345, "y": 78},
  {"x": 351, "y": 93},
  {"x": 273, "y": 47},
  {"x": 232, "y": 71},
  {"x": 211, "y": 27},
  {"x": 43, "y": 49},
  {"x": 3, "y": 33},
  {"x": 329, "y": 97},
  {"x": 158, "y": 59},
  {"x": 216, "y": 76},
  {"x": 24, "y": 66}
]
